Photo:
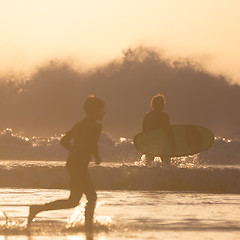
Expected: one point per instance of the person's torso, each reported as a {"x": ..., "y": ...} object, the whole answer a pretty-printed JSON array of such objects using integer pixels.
[
  {"x": 85, "y": 139},
  {"x": 155, "y": 120}
]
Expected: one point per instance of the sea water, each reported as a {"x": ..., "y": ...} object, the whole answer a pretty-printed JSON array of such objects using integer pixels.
[{"x": 134, "y": 202}]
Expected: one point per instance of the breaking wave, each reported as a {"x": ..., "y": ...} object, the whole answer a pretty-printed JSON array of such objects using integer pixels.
[
  {"x": 41, "y": 174},
  {"x": 15, "y": 146}
]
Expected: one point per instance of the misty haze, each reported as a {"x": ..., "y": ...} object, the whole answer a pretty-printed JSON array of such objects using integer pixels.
[
  {"x": 119, "y": 120},
  {"x": 51, "y": 100}
]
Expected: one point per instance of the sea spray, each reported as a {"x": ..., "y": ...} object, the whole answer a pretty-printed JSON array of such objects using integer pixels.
[
  {"x": 77, "y": 220},
  {"x": 10, "y": 226},
  {"x": 15, "y": 146}
]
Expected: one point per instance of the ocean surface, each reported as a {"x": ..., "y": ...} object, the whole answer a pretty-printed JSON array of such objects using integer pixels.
[
  {"x": 134, "y": 202},
  {"x": 197, "y": 197}
]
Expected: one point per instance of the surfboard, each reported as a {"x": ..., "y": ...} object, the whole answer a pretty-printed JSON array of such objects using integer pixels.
[{"x": 189, "y": 140}]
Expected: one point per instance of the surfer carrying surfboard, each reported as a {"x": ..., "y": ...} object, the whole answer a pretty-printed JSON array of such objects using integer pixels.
[
  {"x": 157, "y": 119},
  {"x": 82, "y": 143}
]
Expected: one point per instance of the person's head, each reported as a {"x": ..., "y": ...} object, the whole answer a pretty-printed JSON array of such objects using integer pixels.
[
  {"x": 94, "y": 107},
  {"x": 158, "y": 102}
]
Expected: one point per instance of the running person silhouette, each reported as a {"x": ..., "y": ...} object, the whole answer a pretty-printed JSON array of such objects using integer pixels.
[{"x": 82, "y": 143}]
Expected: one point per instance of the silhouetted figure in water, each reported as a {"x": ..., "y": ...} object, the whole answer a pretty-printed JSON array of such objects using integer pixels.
[
  {"x": 157, "y": 119},
  {"x": 82, "y": 143}
]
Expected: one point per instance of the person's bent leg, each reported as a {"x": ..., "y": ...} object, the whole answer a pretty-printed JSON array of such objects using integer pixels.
[
  {"x": 91, "y": 203},
  {"x": 89, "y": 211},
  {"x": 71, "y": 202}
]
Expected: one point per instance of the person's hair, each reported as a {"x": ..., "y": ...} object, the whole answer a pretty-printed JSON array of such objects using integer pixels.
[
  {"x": 158, "y": 102},
  {"x": 91, "y": 104}
]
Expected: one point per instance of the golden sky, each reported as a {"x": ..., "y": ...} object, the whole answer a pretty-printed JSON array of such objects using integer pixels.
[{"x": 96, "y": 31}]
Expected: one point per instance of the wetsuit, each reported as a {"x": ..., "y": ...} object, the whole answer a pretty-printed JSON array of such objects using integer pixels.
[{"x": 153, "y": 120}]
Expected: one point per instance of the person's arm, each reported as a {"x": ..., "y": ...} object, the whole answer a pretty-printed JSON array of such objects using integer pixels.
[
  {"x": 66, "y": 140},
  {"x": 95, "y": 149}
]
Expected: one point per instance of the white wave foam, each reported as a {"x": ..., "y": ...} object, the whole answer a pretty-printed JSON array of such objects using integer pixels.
[
  {"x": 16, "y": 146},
  {"x": 223, "y": 151}
]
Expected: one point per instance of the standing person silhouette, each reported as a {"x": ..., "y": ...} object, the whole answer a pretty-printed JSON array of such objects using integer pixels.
[
  {"x": 82, "y": 143},
  {"x": 157, "y": 119}
]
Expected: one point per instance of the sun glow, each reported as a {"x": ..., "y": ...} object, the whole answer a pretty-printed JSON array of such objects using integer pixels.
[{"x": 92, "y": 32}]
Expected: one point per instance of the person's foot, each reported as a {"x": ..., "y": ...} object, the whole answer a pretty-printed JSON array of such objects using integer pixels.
[{"x": 33, "y": 211}]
